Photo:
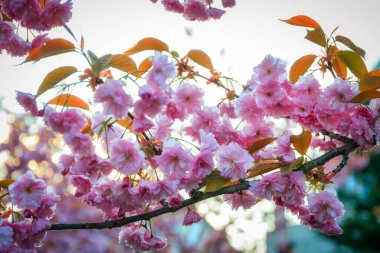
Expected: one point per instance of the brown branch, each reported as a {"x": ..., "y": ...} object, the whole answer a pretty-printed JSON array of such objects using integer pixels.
[{"x": 343, "y": 150}]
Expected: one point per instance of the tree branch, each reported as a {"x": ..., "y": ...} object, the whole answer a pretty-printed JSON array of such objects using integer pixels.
[{"x": 343, "y": 150}]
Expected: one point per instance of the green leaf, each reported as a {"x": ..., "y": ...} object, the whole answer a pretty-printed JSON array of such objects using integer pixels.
[
  {"x": 353, "y": 62},
  {"x": 55, "y": 77},
  {"x": 215, "y": 181},
  {"x": 294, "y": 165},
  {"x": 346, "y": 41},
  {"x": 317, "y": 36},
  {"x": 99, "y": 64}
]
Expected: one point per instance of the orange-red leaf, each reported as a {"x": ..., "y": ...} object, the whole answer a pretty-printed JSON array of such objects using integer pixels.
[
  {"x": 148, "y": 44},
  {"x": 260, "y": 144},
  {"x": 126, "y": 123},
  {"x": 354, "y": 62},
  {"x": 201, "y": 58},
  {"x": 264, "y": 166},
  {"x": 42, "y": 3},
  {"x": 370, "y": 81},
  {"x": 81, "y": 42},
  {"x": 69, "y": 100},
  {"x": 300, "y": 67},
  {"x": 365, "y": 96},
  {"x": 145, "y": 65},
  {"x": 124, "y": 63},
  {"x": 339, "y": 67},
  {"x": 5, "y": 183},
  {"x": 317, "y": 36},
  {"x": 302, "y": 20},
  {"x": 50, "y": 48},
  {"x": 301, "y": 142},
  {"x": 55, "y": 77}
]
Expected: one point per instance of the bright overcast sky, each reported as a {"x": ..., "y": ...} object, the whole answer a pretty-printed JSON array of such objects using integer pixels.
[{"x": 246, "y": 34}]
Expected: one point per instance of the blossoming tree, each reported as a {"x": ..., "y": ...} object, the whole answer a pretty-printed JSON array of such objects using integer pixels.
[{"x": 129, "y": 159}]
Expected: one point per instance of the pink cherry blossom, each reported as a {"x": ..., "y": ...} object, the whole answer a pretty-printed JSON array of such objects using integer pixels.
[
  {"x": 162, "y": 70},
  {"x": 227, "y": 108},
  {"x": 215, "y": 13},
  {"x": 175, "y": 161},
  {"x": 244, "y": 199},
  {"x": 325, "y": 206},
  {"x": 195, "y": 10},
  {"x": 188, "y": 97},
  {"x": 307, "y": 88},
  {"x": 79, "y": 143},
  {"x": 225, "y": 132},
  {"x": 27, "y": 191},
  {"x": 164, "y": 124},
  {"x": 268, "y": 94},
  {"x": 6, "y": 235},
  {"x": 17, "y": 9},
  {"x": 270, "y": 69},
  {"x": 150, "y": 103},
  {"x": 29, "y": 234},
  {"x": 141, "y": 124},
  {"x": 140, "y": 238},
  {"x": 283, "y": 150},
  {"x": 47, "y": 207},
  {"x": 208, "y": 142},
  {"x": 115, "y": 100},
  {"x": 174, "y": 112},
  {"x": 127, "y": 157},
  {"x": 69, "y": 121},
  {"x": 55, "y": 13},
  {"x": 203, "y": 165},
  {"x": 82, "y": 183},
  {"x": 233, "y": 161},
  {"x": 172, "y": 5},
  {"x": 247, "y": 108},
  {"x": 191, "y": 217},
  {"x": 339, "y": 93},
  {"x": 228, "y": 3},
  {"x": 28, "y": 102},
  {"x": 254, "y": 132}
]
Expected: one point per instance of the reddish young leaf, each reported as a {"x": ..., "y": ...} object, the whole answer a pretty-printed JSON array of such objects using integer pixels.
[
  {"x": 42, "y": 3},
  {"x": 317, "y": 36},
  {"x": 302, "y": 20},
  {"x": 201, "y": 58},
  {"x": 144, "y": 66},
  {"x": 5, "y": 183},
  {"x": 126, "y": 123},
  {"x": 260, "y": 144},
  {"x": 365, "y": 96},
  {"x": 370, "y": 81},
  {"x": 353, "y": 62},
  {"x": 300, "y": 67},
  {"x": 68, "y": 100},
  {"x": 148, "y": 44},
  {"x": 264, "y": 166},
  {"x": 50, "y": 48},
  {"x": 81, "y": 42},
  {"x": 301, "y": 142},
  {"x": 124, "y": 63},
  {"x": 55, "y": 77}
]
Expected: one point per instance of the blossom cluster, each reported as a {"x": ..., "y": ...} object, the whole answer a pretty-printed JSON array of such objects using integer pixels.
[
  {"x": 37, "y": 204},
  {"x": 146, "y": 164},
  {"x": 200, "y": 10},
  {"x": 31, "y": 15}
]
